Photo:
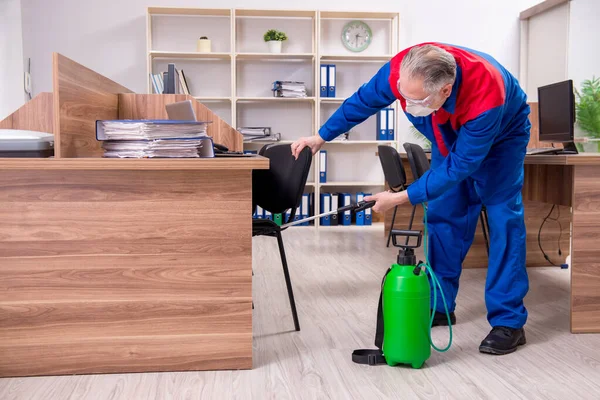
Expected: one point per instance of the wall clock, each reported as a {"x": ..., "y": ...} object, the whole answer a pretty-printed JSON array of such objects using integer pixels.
[{"x": 356, "y": 36}]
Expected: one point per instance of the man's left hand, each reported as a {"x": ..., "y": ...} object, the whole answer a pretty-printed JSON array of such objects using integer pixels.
[{"x": 386, "y": 200}]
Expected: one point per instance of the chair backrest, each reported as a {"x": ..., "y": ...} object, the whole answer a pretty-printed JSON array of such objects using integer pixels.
[
  {"x": 280, "y": 188},
  {"x": 393, "y": 171},
  {"x": 419, "y": 164}
]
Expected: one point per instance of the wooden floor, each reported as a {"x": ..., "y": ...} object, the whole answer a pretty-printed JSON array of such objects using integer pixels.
[{"x": 336, "y": 274}]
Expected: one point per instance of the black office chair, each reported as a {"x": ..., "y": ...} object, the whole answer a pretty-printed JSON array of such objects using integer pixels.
[
  {"x": 419, "y": 164},
  {"x": 277, "y": 190},
  {"x": 395, "y": 176}
]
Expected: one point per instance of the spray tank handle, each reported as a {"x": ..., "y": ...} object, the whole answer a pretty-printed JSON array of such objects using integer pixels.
[
  {"x": 407, "y": 234},
  {"x": 406, "y": 254}
]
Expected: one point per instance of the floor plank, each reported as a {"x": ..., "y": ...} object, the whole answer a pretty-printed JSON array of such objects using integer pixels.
[{"x": 336, "y": 275}]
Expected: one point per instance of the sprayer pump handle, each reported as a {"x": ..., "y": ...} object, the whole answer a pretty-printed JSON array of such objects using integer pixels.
[{"x": 407, "y": 234}]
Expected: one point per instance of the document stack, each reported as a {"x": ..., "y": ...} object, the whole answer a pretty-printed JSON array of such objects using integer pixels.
[
  {"x": 289, "y": 89},
  {"x": 258, "y": 133},
  {"x": 154, "y": 139}
]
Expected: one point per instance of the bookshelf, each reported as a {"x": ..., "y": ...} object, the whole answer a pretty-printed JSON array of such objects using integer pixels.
[{"x": 235, "y": 79}]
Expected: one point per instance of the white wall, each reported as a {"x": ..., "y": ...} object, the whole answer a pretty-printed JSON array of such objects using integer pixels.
[
  {"x": 11, "y": 57},
  {"x": 109, "y": 36},
  {"x": 584, "y": 32}
]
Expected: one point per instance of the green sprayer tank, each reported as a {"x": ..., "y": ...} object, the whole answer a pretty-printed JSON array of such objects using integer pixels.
[{"x": 406, "y": 305}]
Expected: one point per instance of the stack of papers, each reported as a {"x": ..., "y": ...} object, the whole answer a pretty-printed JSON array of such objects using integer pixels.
[
  {"x": 148, "y": 139},
  {"x": 289, "y": 89},
  {"x": 166, "y": 148}
]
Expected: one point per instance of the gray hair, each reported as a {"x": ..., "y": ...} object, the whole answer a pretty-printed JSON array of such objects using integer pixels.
[{"x": 433, "y": 64}]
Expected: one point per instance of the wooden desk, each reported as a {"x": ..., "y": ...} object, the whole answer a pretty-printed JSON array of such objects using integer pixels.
[
  {"x": 121, "y": 265},
  {"x": 125, "y": 265},
  {"x": 573, "y": 183}
]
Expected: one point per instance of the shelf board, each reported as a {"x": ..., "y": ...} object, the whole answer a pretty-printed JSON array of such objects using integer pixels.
[
  {"x": 332, "y": 99},
  {"x": 273, "y": 99},
  {"x": 269, "y": 141},
  {"x": 209, "y": 12},
  {"x": 274, "y": 56},
  {"x": 191, "y": 55},
  {"x": 356, "y": 15},
  {"x": 356, "y": 57},
  {"x": 209, "y": 98},
  {"x": 352, "y": 184},
  {"x": 354, "y": 142},
  {"x": 276, "y": 13}
]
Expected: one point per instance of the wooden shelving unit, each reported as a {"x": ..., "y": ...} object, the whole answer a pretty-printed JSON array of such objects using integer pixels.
[{"x": 235, "y": 79}]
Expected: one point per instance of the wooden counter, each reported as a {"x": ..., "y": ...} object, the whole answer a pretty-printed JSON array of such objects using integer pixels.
[{"x": 125, "y": 265}]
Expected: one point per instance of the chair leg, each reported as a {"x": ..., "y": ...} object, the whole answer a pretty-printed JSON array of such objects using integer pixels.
[
  {"x": 391, "y": 227},
  {"x": 288, "y": 283},
  {"x": 485, "y": 229}
]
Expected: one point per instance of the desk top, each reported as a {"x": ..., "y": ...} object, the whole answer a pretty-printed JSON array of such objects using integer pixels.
[
  {"x": 553, "y": 159},
  {"x": 153, "y": 164},
  {"x": 567, "y": 159}
]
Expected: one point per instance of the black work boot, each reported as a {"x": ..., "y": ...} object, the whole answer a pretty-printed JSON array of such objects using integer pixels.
[
  {"x": 440, "y": 319},
  {"x": 502, "y": 340}
]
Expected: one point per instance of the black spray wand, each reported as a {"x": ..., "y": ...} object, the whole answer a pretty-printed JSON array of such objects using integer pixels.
[{"x": 360, "y": 206}]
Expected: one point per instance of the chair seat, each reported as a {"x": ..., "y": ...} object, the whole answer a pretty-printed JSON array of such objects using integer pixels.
[{"x": 264, "y": 227}]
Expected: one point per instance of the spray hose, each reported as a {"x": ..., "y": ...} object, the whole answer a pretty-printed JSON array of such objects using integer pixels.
[{"x": 436, "y": 283}]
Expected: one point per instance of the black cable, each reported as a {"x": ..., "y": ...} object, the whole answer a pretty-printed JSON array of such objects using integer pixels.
[{"x": 559, "y": 237}]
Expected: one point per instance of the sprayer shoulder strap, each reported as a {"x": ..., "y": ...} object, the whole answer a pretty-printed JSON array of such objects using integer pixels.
[{"x": 374, "y": 356}]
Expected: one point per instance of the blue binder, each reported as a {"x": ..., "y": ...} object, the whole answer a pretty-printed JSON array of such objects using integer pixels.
[
  {"x": 305, "y": 208},
  {"x": 331, "y": 80},
  {"x": 268, "y": 215},
  {"x": 390, "y": 123},
  {"x": 260, "y": 213},
  {"x": 360, "y": 216},
  {"x": 325, "y": 207},
  {"x": 345, "y": 199},
  {"x": 323, "y": 166},
  {"x": 323, "y": 80},
  {"x": 382, "y": 118},
  {"x": 287, "y": 217},
  {"x": 368, "y": 213},
  {"x": 250, "y": 152}
]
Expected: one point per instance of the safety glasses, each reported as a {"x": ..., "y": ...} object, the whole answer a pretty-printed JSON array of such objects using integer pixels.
[{"x": 425, "y": 102}]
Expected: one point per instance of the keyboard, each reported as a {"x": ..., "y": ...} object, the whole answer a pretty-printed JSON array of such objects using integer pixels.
[{"x": 542, "y": 150}]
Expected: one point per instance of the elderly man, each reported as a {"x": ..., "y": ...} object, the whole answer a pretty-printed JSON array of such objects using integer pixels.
[{"x": 476, "y": 116}]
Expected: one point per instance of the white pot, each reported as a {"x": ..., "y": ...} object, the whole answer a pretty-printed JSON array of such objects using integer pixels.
[
  {"x": 203, "y": 46},
  {"x": 274, "y": 46}
]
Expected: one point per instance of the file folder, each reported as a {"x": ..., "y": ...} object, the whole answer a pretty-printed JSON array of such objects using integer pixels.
[
  {"x": 298, "y": 214},
  {"x": 368, "y": 214},
  {"x": 268, "y": 215},
  {"x": 334, "y": 206},
  {"x": 347, "y": 217},
  {"x": 254, "y": 213},
  {"x": 324, "y": 76},
  {"x": 360, "y": 216},
  {"x": 287, "y": 216},
  {"x": 382, "y": 133},
  {"x": 390, "y": 123},
  {"x": 323, "y": 166},
  {"x": 331, "y": 80},
  {"x": 305, "y": 208},
  {"x": 325, "y": 207},
  {"x": 260, "y": 213},
  {"x": 277, "y": 218}
]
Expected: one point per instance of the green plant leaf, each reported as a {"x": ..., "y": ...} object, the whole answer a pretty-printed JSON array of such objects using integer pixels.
[{"x": 588, "y": 107}]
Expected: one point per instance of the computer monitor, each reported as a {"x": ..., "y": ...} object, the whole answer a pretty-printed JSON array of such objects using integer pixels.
[{"x": 556, "y": 111}]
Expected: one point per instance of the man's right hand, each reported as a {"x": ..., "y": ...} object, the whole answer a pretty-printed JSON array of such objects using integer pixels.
[{"x": 313, "y": 142}]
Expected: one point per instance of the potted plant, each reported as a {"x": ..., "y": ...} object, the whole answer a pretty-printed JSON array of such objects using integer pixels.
[
  {"x": 588, "y": 109},
  {"x": 203, "y": 45},
  {"x": 274, "y": 38},
  {"x": 417, "y": 137}
]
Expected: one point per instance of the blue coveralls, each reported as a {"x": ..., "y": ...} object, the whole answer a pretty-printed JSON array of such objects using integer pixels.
[{"x": 479, "y": 139}]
